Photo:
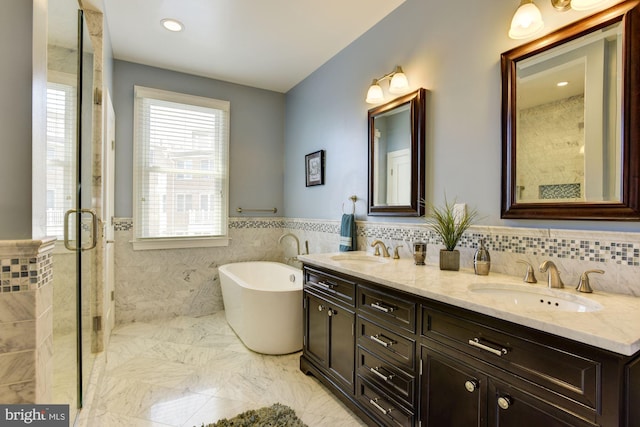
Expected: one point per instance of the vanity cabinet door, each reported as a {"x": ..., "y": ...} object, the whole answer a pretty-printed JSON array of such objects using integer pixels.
[
  {"x": 342, "y": 357},
  {"x": 511, "y": 407},
  {"x": 316, "y": 334},
  {"x": 453, "y": 393},
  {"x": 329, "y": 338}
]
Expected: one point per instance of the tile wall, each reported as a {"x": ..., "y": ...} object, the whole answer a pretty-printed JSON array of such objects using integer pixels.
[
  {"x": 167, "y": 283},
  {"x": 154, "y": 284},
  {"x": 26, "y": 321},
  {"x": 541, "y": 176}
]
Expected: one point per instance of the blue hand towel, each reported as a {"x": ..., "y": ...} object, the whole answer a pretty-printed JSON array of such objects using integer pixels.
[{"x": 348, "y": 233}]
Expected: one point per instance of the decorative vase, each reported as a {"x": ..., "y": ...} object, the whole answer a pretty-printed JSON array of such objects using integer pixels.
[{"x": 449, "y": 260}]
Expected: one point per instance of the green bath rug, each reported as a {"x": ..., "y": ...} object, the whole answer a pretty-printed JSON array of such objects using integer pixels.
[{"x": 276, "y": 415}]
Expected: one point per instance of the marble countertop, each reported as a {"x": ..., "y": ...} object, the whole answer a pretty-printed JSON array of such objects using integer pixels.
[{"x": 615, "y": 327}]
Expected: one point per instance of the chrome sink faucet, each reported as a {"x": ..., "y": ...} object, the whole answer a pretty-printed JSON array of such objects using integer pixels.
[
  {"x": 553, "y": 276},
  {"x": 380, "y": 244}
]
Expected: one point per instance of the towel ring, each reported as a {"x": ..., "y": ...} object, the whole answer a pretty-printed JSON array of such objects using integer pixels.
[{"x": 353, "y": 210}]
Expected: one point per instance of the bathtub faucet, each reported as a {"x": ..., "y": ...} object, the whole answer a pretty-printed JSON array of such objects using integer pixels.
[{"x": 294, "y": 237}]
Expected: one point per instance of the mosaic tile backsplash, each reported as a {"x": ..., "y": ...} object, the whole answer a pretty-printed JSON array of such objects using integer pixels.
[
  {"x": 573, "y": 251},
  {"x": 559, "y": 191},
  {"x": 167, "y": 283}
]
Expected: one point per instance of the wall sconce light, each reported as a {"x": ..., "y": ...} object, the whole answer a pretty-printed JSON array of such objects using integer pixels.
[
  {"x": 580, "y": 4},
  {"x": 527, "y": 20},
  {"x": 398, "y": 84}
]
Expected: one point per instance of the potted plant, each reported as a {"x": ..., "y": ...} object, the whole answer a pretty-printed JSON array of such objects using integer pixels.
[{"x": 449, "y": 226}]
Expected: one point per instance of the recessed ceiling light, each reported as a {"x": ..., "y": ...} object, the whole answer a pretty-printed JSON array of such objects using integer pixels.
[
  {"x": 172, "y": 24},
  {"x": 561, "y": 84}
]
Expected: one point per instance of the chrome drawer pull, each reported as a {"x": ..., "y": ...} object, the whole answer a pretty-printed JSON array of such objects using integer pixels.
[
  {"x": 380, "y": 307},
  {"x": 380, "y": 374},
  {"x": 378, "y": 407},
  {"x": 326, "y": 285},
  {"x": 476, "y": 343},
  {"x": 379, "y": 341}
]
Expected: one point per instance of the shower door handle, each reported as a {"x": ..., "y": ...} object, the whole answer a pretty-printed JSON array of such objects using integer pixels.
[
  {"x": 94, "y": 229},
  {"x": 67, "y": 244}
]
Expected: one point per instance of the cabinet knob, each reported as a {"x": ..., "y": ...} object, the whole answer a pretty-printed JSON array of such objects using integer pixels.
[
  {"x": 504, "y": 402},
  {"x": 320, "y": 307},
  {"x": 471, "y": 385},
  {"x": 331, "y": 312}
]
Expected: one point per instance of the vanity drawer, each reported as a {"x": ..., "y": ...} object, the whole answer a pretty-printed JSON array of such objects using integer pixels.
[
  {"x": 388, "y": 307},
  {"x": 382, "y": 407},
  {"x": 555, "y": 365},
  {"x": 330, "y": 285},
  {"x": 386, "y": 344},
  {"x": 389, "y": 378}
]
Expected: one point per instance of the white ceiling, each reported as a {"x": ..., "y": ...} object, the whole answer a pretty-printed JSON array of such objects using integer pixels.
[{"x": 269, "y": 44}]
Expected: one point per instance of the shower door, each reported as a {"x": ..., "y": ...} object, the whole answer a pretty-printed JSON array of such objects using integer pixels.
[
  {"x": 70, "y": 216},
  {"x": 87, "y": 232}
]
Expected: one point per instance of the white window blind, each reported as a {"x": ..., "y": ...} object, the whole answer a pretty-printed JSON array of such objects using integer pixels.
[
  {"x": 61, "y": 154},
  {"x": 181, "y": 147}
]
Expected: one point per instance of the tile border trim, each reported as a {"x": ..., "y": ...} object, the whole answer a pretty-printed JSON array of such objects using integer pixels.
[
  {"x": 25, "y": 265},
  {"x": 614, "y": 247}
]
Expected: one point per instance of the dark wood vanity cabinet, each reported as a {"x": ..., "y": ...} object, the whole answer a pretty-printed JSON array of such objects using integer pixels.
[
  {"x": 457, "y": 393},
  {"x": 452, "y": 393},
  {"x": 329, "y": 338},
  {"x": 329, "y": 326},
  {"x": 512, "y": 407},
  {"x": 404, "y": 360},
  {"x": 386, "y": 382}
]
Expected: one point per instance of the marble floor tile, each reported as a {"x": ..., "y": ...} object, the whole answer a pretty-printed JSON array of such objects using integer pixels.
[{"x": 193, "y": 371}]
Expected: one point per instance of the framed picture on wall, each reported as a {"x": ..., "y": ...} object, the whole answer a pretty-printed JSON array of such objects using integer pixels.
[{"x": 314, "y": 168}]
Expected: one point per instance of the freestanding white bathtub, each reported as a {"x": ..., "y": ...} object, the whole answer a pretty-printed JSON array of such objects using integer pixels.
[{"x": 263, "y": 305}]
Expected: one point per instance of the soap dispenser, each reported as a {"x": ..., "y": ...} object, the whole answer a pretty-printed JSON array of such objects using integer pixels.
[{"x": 481, "y": 260}]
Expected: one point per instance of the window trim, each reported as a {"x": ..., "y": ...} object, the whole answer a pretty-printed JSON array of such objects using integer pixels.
[{"x": 150, "y": 243}]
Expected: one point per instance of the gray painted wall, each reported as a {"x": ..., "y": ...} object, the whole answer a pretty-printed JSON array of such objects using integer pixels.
[
  {"x": 256, "y": 137},
  {"x": 15, "y": 119},
  {"x": 451, "y": 48}
]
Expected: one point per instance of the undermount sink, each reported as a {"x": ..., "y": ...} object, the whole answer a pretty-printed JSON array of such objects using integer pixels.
[
  {"x": 359, "y": 259},
  {"x": 535, "y": 298}
]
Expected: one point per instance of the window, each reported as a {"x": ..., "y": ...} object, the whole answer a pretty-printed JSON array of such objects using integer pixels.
[
  {"x": 61, "y": 150},
  {"x": 204, "y": 202},
  {"x": 184, "y": 164},
  {"x": 175, "y": 136}
]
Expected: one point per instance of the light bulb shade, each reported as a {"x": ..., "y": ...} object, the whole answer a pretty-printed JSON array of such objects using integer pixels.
[
  {"x": 585, "y": 4},
  {"x": 526, "y": 21},
  {"x": 374, "y": 94},
  {"x": 172, "y": 25},
  {"x": 398, "y": 83}
]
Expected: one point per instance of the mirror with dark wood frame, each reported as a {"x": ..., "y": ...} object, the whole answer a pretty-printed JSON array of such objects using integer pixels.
[
  {"x": 396, "y": 156},
  {"x": 571, "y": 121}
]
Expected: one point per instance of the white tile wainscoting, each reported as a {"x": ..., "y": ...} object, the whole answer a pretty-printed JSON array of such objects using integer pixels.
[
  {"x": 159, "y": 284},
  {"x": 26, "y": 321}
]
